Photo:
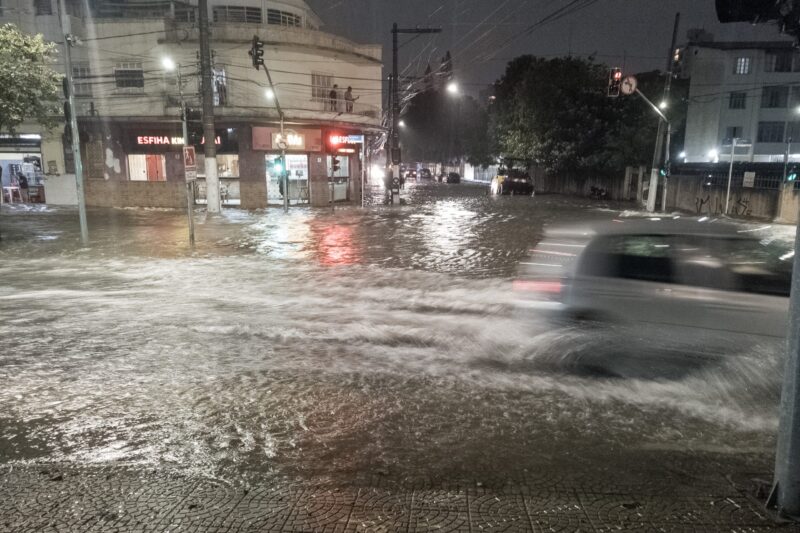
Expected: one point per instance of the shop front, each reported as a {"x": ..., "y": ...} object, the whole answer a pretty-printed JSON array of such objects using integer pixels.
[
  {"x": 313, "y": 178},
  {"x": 21, "y": 155},
  {"x": 302, "y": 162}
]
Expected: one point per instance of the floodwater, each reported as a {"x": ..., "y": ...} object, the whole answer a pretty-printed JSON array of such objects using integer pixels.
[{"x": 330, "y": 344}]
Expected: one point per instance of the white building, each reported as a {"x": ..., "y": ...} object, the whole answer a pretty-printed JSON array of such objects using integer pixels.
[
  {"x": 128, "y": 103},
  {"x": 744, "y": 90}
]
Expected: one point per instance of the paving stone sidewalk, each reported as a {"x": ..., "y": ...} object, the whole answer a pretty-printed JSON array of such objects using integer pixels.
[{"x": 51, "y": 497}]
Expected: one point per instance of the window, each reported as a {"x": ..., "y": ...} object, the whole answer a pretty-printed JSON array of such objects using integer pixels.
[
  {"x": 776, "y": 96},
  {"x": 227, "y": 165},
  {"x": 81, "y": 79},
  {"x": 641, "y": 257},
  {"x": 770, "y": 132},
  {"x": 283, "y": 18},
  {"x": 43, "y": 7},
  {"x": 250, "y": 15},
  {"x": 129, "y": 76},
  {"x": 321, "y": 85},
  {"x": 738, "y": 100},
  {"x": 793, "y": 132},
  {"x": 732, "y": 132},
  {"x": 742, "y": 66},
  {"x": 779, "y": 61}
]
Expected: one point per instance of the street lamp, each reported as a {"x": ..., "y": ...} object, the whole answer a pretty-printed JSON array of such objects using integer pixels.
[
  {"x": 170, "y": 65},
  {"x": 270, "y": 94},
  {"x": 452, "y": 87},
  {"x": 663, "y": 105},
  {"x": 402, "y": 123}
]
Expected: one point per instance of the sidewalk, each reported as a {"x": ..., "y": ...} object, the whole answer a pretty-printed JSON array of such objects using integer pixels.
[{"x": 692, "y": 494}]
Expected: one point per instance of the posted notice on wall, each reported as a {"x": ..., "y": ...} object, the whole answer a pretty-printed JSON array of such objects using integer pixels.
[{"x": 749, "y": 179}]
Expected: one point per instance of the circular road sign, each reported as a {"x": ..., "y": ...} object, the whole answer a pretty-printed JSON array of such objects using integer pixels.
[{"x": 628, "y": 86}]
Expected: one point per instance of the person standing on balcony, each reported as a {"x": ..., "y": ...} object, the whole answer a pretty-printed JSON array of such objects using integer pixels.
[
  {"x": 348, "y": 99},
  {"x": 334, "y": 98}
]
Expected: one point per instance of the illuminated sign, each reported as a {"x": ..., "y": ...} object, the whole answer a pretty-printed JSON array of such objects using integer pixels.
[
  {"x": 346, "y": 139},
  {"x": 291, "y": 140},
  {"x": 164, "y": 140}
]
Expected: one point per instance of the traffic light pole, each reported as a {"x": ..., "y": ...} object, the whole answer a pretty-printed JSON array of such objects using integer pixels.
[
  {"x": 256, "y": 54},
  {"x": 73, "y": 121},
  {"x": 189, "y": 184}
]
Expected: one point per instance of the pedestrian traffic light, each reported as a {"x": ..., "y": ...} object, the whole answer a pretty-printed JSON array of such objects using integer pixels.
[
  {"x": 614, "y": 82},
  {"x": 257, "y": 52},
  {"x": 792, "y": 174},
  {"x": 335, "y": 164}
]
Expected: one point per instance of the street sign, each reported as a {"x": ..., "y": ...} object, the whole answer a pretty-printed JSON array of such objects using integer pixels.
[
  {"x": 749, "y": 179},
  {"x": 189, "y": 163},
  {"x": 629, "y": 85}
]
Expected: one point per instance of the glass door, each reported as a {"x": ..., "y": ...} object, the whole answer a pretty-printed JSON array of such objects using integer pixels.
[{"x": 297, "y": 167}]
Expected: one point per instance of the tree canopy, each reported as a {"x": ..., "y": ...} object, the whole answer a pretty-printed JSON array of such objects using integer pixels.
[
  {"x": 30, "y": 86},
  {"x": 556, "y": 113}
]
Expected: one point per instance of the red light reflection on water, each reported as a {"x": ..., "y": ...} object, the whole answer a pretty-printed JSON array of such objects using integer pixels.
[{"x": 336, "y": 246}]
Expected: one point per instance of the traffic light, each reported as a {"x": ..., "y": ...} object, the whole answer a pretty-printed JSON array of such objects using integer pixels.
[
  {"x": 257, "y": 52},
  {"x": 792, "y": 174},
  {"x": 335, "y": 164},
  {"x": 614, "y": 82}
]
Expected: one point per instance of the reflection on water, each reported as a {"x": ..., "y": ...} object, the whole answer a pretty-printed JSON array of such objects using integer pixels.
[{"x": 254, "y": 355}]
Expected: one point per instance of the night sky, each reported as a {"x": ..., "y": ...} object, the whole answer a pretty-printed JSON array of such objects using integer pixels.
[{"x": 483, "y": 35}]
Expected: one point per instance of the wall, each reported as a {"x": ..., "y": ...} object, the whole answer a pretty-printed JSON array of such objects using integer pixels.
[
  {"x": 690, "y": 193},
  {"x": 578, "y": 185},
  {"x": 101, "y": 193}
]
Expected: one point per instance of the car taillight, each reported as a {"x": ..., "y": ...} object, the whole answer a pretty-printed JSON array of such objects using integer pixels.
[{"x": 549, "y": 288}]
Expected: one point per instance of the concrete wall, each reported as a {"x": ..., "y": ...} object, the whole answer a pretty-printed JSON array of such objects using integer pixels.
[
  {"x": 578, "y": 185},
  {"x": 135, "y": 194},
  {"x": 690, "y": 193}
]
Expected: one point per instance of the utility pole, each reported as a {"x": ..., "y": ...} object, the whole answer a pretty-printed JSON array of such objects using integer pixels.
[
  {"x": 393, "y": 156},
  {"x": 662, "y": 137},
  {"x": 785, "y": 495},
  {"x": 69, "y": 42},
  {"x": 730, "y": 175},
  {"x": 207, "y": 95}
]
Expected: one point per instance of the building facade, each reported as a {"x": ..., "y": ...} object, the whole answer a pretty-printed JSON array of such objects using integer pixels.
[
  {"x": 139, "y": 59},
  {"x": 749, "y": 91}
]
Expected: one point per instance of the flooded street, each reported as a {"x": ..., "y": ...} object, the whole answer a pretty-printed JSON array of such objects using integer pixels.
[{"x": 341, "y": 345}]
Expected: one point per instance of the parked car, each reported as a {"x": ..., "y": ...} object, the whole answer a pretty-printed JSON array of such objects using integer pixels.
[
  {"x": 411, "y": 173},
  {"x": 512, "y": 181},
  {"x": 426, "y": 174},
  {"x": 452, "y": 177},
  {"x": 708, "y": 287}
]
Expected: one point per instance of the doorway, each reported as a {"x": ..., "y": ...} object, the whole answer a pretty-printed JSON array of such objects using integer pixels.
[
  {"x": 150, "y": 167},
  {"x": 297, "y": 167}
]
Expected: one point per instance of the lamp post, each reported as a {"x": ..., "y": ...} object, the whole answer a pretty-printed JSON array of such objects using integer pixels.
[{"x": 170, "y": 65}]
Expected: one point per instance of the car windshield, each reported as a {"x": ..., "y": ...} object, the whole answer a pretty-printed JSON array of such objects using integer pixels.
[{"x": 399, "y": 265}]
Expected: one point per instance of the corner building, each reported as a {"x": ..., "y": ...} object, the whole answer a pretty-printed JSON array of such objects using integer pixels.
[{"x": 128, "y": 101}]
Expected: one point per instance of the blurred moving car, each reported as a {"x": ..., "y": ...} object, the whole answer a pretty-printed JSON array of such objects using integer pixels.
[
  {"x": 512, "y": 181},
  {"x": 411, "y": 173},
  {"x": 707, "y": 286},
  {"x": 426, "y": 174},
  {"x": 452, "y": 177}
]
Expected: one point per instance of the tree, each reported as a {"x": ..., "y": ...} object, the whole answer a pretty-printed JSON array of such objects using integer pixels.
[
  {"x": 554, "y": 112},
  {"x": 30, "y": 86}
]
